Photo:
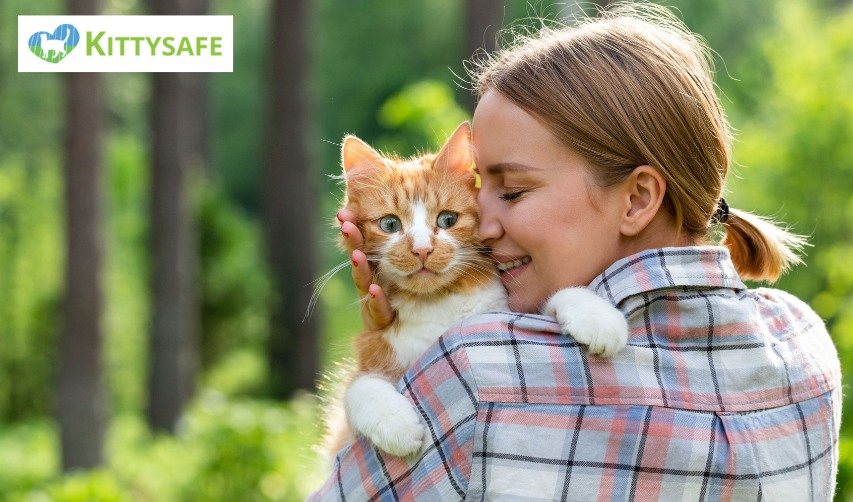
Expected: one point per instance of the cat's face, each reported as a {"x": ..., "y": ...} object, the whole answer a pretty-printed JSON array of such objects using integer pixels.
[{"x": 419, "y": 217}]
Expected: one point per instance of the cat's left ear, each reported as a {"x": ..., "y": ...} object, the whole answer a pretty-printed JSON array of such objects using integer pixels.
[
  {"x": 457, "y": 154},
  {"x": 356, "y": 152}
]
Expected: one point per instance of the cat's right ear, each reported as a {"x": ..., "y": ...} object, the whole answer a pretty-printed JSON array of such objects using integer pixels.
[
  {"x": 357, "y": 153},
  {"x": 457, "y": 154}
]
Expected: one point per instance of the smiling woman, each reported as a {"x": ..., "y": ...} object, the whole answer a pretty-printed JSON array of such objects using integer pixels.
[{"x": 602, "y": 151}]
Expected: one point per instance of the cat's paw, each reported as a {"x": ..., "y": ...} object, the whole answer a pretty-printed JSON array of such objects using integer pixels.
[
  {"x": 590, "y": 319},
  {"x": 399, "y": 433},
  {"x": 377, "y": 411}
]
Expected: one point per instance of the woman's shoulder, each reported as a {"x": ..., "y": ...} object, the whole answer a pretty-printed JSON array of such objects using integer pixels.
[
  {"x": 506, "y": 353},
  {"x": 499, "y": 326},
  {"x": 782, "y": 305},
  {"x": 797, "y": 334},
  {"x": 481, "y": 336}
]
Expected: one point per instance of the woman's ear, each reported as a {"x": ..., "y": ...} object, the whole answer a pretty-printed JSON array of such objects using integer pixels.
[{"x": 644, "y": 191}]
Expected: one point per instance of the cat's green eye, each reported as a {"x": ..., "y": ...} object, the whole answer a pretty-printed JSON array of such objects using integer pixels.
[
  {"x": 446, "y": 219},
  {"x": 390, "y": 224}
]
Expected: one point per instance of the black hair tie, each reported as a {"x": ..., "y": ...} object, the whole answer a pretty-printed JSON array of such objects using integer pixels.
[{"x": 722, "y": 213}]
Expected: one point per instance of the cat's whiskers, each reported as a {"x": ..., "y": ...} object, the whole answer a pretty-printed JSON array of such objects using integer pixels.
[
  {"x": 466, "y": 265},
  {"x": 472, "y": 255},
  {"x": 375, "y": 258},
  {"x": 319, "y": 284},
  {"x": 477, "y": 279},
  {"x": 470, "y": 258},
  {"x": 469, "y": 269},
  {"x": 475, "y": 267}
]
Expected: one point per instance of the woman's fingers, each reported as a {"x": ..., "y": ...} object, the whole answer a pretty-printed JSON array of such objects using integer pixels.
[
  {"x": 361, "y": 274},
  {"x": 352, "y": 235},
  {"x": 377, "y": 312},
  {"x": 345, "y": 214}
]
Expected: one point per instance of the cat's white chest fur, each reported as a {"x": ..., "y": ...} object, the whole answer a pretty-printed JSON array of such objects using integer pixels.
[{"x": 421, "y": 323}]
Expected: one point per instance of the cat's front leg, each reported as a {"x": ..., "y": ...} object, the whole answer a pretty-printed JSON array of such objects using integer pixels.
[
  {"x": 590, "y": 319},
  {"x": 377, "y": 411}
]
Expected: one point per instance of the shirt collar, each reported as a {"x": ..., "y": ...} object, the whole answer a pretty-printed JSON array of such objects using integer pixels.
[{"x": 699, "y": 266}]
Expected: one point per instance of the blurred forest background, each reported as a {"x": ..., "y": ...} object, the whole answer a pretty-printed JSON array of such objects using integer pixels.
[{"x": 158, "y": 233}]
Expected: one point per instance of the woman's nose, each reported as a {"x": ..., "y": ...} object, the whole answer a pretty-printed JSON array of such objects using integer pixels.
[{"x": 490, "y": 227}]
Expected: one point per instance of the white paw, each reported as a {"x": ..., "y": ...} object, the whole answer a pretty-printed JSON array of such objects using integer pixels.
[
  {"x": 377, "y": 411},
  {"x": 399, "y": 433},
  {"x": 591, "y": 320}
]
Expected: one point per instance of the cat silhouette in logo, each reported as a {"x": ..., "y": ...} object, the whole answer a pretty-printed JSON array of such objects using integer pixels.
[{"x": 57, "y": 46}]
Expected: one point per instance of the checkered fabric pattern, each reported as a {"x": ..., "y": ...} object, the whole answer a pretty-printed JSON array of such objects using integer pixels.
[{"x": 723, "y": 393}]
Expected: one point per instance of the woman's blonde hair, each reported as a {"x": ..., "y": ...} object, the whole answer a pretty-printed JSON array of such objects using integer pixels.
[{"x": 633, "y": 87}]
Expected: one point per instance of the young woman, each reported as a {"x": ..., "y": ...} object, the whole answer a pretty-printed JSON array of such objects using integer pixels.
[{"x": 603, "y": 153}]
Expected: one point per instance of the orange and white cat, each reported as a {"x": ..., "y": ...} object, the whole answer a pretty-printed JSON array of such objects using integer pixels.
[{"x": 419, "y": 220}]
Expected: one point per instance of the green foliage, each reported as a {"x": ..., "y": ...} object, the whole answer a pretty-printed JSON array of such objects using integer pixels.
[
  {"x": 237, "y": 101},
  {"x": 27, "y": 455},
  {"x": 343, "y": 319},
  {"x": 31, "y": 257},
  {"x": 235, "y": 283},
  {"x": 235, "y": 287},
  {"x": 125, "y": 281},
  {"x": 98, "y": 485},
  {"x": 419, "y": 117},
  {"x": 366, "y": 52},
  {"x": 225, "y": 450}
]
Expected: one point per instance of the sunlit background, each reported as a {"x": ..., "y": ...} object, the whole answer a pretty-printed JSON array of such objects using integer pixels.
[{"x": 254, "y": 206}]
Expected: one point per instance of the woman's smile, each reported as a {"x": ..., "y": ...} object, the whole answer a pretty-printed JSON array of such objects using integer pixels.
[{"x": 510, "y": 268}]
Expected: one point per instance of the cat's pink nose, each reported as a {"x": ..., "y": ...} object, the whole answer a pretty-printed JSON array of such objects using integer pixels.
[{"x": 422, "y": 253}]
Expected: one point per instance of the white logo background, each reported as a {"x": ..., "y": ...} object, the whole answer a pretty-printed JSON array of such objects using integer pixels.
[{"x": 131, "y": 26}]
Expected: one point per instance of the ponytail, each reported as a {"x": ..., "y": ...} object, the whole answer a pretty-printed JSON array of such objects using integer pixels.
[{"x": 760, "y": 249}]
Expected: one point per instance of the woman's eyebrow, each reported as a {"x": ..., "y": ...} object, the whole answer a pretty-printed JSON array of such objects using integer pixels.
[{"x": 502, "y": 167}]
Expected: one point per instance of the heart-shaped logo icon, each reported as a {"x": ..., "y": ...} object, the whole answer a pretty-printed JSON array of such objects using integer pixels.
[{"x": 53, "y": 47}]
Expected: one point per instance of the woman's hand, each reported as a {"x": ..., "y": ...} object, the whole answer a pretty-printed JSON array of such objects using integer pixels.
[{"x": 376, "y": 311}]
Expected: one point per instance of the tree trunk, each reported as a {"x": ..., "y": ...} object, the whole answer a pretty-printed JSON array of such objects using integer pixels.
[
  {"x": 82, "y": 414},
  {"x": 482, "y": 22},
  {"x": 290, "y": 214},
  {"x": 178, "y": 123}
]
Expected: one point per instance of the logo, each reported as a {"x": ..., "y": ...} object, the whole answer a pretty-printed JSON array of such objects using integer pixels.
[
  {"x": 125, "y": 44},
  {"x": 53, "y": 47}
]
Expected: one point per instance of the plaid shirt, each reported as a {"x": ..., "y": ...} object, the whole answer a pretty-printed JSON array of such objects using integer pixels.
[{"x": 723, "y": 393}]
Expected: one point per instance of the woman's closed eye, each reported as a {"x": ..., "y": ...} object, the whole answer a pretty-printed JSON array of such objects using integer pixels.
[{"x": 511, "y": 196}]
